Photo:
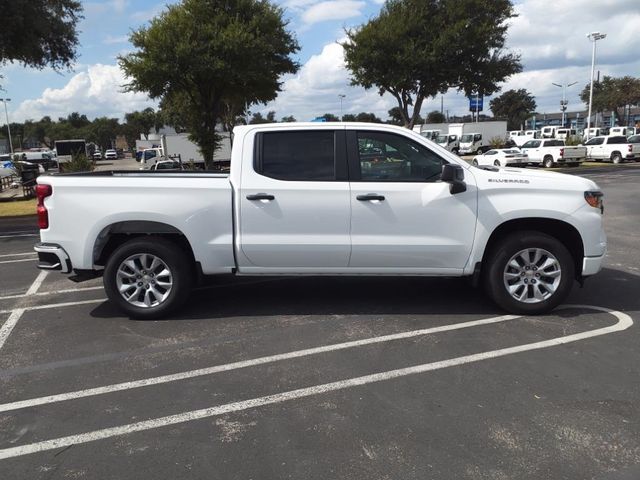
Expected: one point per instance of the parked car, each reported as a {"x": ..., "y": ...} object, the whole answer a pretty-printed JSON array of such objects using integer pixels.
[
  {"x": 615, "y": 149},
  {"x": 501, "y": 157},
  {"x": 551, "y": 152},
  {"x": 97, "y": 155},
  {"x": 325, "y": 199},
  {"x": 167, "y": 166},
  {"x": 110, "y": 154}
]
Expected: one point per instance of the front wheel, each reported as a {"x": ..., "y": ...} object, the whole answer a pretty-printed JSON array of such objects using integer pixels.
[
  {"x": 497, "y": 163},
  {"x": 148, "y": 277},
  {"x": 529, "y": 273}
]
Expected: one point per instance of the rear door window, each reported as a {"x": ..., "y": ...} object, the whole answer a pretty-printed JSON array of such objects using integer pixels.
[{"x": 304, "y": 155}]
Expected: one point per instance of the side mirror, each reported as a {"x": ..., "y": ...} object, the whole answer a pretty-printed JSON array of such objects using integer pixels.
[{"x": 454, "y": 176}]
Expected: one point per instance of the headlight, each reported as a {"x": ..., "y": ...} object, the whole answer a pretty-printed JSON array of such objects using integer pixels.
[{"x": 595, "y": 199}]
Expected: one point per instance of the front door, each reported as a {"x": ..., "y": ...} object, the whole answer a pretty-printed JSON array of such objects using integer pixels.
[{"x": 403, "y": 216}]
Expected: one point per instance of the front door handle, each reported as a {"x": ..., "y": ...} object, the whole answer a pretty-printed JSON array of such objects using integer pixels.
[
  {"x": 370, "y": 196},
  {"x": 260, "y": 196}
]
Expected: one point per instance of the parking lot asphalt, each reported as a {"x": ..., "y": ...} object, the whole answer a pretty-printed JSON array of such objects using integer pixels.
[{"x": 360, "y": 378}]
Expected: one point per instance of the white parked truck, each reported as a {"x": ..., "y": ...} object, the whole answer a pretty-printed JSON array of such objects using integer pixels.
[
  {"x": 324, "y": 199},
  {"x": 476, "y": 138},
  {"x": 550, "y": 152},
  {"x": 449, "y": 142},
  {"x": 615, "y": 149}
]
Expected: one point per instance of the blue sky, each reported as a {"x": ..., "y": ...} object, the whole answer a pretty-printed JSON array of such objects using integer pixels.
[{"x": 550, "y": 36}]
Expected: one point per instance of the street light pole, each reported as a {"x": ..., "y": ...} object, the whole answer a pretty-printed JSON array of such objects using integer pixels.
[
  {"x": 6, "y": 113},
  {"x": 563, "y": 102},
  {"x": 593, "y": 37},
  {"x": 342, "y": 97}
]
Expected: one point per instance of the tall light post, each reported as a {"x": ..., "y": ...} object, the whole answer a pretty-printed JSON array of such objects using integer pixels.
[
  {"x": 6, "y": 114},
  {"x": 563, "y": 102},
  {"x": 593, "y": 37},
  {"x": 342, "y": 97}
]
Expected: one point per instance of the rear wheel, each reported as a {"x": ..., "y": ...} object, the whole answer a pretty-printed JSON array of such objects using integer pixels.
[
  {"x": 148, "y": 277},
  {"x": 547, "y": 162},
  {"x": 616, "y": 158},
  {"x": 529, "y": 273}
]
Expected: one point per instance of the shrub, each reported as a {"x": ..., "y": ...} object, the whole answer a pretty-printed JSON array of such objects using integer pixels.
[{"x": 78, "y": 163}]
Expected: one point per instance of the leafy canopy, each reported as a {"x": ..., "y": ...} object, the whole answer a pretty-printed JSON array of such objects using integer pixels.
[
  {"x": 199, "y": 55},
  {"x": 39, "y": 33},
  {"x": 416, "y": 49},
  {"x": 613, "y": 94},
  {"x": 514, "y": 106}
]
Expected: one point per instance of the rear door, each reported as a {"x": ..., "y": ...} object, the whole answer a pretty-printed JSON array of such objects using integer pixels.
[
  {"x": 403, "y": 217},
  {"x": 294, "y": 202}
]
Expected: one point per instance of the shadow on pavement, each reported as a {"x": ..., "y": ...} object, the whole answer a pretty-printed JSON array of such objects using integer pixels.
[{"x": 272, "y": 296}]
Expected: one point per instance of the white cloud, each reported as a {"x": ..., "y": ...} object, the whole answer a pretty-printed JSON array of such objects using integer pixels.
[
  {"x": 111, "y": 40},
  {"x": 332, "y": 10},
  {"x": 96, "y": 92}
]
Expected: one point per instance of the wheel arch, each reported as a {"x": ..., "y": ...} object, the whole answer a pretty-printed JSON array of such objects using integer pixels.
[
  {"x": 118, "y": 233},
  {"x": 564, "y": 232}
]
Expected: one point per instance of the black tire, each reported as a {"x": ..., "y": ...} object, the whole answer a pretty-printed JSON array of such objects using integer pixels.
[
  {"x": 455, "y": 151},
  {"x": 616, "y": 158},
  {"x": 501, "y": 253},
  {"x": 547, "y": 162},
  {"x": 176, "y": 260},
  {"x": 496, "y": 163},
  {"x": 474, "y": 162}
]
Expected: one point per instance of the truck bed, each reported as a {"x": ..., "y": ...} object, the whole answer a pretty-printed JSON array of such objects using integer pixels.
[{"x": 85, "y": 207}]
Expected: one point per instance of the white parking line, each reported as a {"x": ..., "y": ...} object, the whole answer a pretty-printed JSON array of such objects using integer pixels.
[
  {"x": 624, "y": 322},
  {"x": 7, "y": 326},
  {"x": 36, "y": 283},
  {"x": 58, "y": 305},
  {"x": 21, "y": 235},
  {"x": 17, "y": 260},
  {"x": 246, "y": 363},
  {"x": 18, "y": 254},
  {"x": 54, "y": 292}
]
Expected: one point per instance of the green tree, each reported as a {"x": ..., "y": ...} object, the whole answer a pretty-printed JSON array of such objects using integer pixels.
[
  {"x": 613, "y": 94},
  {"x": 436, "y": 117},
  {"x": 257, "y": 118},
  {"x": 329, "y": 117},
  {"x": 367, "y": 117},
  {"x": 103, "y": 131},
  {"x": 415, "y": 49},
  {"x": 514, "y": 106},
  {"x": 201, "y": 53},
  {"x": 348, "y": 117},
  {"x": 39, "y": 33},
  {"x": 288, "y": 119}
]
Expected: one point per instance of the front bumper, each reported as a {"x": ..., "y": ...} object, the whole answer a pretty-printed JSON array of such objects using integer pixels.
[
  {"x": 591, "y": 265},
  {"x": 52, "y": 257}
]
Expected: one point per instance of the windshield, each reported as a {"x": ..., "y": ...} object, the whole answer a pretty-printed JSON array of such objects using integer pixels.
[
  {"x": 442, "y": 139},
  {"x": 466, "y": 138}
]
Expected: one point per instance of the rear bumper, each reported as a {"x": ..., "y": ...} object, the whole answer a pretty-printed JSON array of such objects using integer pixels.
[
  {"x": 591, "y": 265},
  {"x": 52, "y": 257}
]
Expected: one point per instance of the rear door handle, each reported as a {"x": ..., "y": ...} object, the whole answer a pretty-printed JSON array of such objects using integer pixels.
[
  {"x": 260, "y": 196},
  {"x": 370, "y": 196}
]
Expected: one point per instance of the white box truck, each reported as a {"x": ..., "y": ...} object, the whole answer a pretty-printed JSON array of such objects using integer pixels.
[{"x": 475, "y": 138}]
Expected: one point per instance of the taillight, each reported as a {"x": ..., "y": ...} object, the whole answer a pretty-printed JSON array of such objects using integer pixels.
[
  {"x": 42, "y": 192},
  {"x": 561, "y": 152},
  {"x": 630, "y": 148}
]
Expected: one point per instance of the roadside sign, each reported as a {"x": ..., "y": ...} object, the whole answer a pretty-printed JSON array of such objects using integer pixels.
[{"x": 476, "y": 103}]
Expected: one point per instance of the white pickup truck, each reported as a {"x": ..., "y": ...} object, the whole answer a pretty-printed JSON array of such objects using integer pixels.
[
  {"x": 325, "y": 199},
  {"x": 550, "y": 152},
  {"x": 616, "y": 149}
]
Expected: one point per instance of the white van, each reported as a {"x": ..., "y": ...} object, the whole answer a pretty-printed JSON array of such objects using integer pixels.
[
  {"x": 624, "y": 131},
  {"x": 549, "y": 132},
  {"x": 564, "y": 133}
]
